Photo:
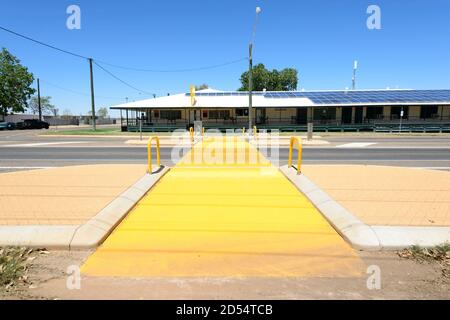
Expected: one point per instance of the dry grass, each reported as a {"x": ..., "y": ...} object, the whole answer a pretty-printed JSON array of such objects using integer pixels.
[
  {"x": 14, "y": 264},
  {"x": 439, "y": 254}
]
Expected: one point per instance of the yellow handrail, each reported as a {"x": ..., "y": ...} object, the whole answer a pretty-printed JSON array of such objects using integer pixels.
[
  {"x": 243, "y": 130},
  {"x": 191, "y": 132},
  {"x": 255, "y": 131},
  {"x": 300, "y": 151},
  {"x": 149, "y": 153},
  {"x": 203, "y": 131}
]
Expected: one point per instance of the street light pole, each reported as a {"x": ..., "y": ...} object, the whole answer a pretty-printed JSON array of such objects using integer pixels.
[
  {"x": 250, "y": 73},
  {"x": 250, "y": 87},
  {"x": 355, "y": 67},
  {"x": 94, "y": 126},
  {"x": 39, "y": 100}
]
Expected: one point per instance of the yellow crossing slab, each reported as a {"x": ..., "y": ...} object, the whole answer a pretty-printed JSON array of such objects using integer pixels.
[{"x": 207, "y": 218}]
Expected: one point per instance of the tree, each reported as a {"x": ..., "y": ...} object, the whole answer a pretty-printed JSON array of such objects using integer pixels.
[
  {"x": 284, "y": 80},
  {"x": 46, "y": 106},
  {"x": 201, "y": 87},
  {"x": 15, "y": 84},
  {"x": 260, "y": 78},
  {"x": 289, "y": 79},
  {"x": 66, "y": 113},
  {"x": 102, "y": 112}
]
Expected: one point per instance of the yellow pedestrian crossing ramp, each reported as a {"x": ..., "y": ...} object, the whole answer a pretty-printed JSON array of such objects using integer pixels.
[{"x": 212, "y": 219}]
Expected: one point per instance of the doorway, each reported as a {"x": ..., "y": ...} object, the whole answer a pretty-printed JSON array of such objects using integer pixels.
[
  {"x": 260, "y": 116},
  {"x": 302, "y": 116},
  {"x": 359, "y": 113},
  {"x": 347, "y": 114}
]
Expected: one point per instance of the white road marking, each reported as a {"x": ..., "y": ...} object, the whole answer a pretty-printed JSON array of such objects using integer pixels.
[
  {"x": 23, "y": 168},
  {"x": 356, "y": 145},
  {"x": 42, "y": 144},
  {"x": 433, "y": 168}
]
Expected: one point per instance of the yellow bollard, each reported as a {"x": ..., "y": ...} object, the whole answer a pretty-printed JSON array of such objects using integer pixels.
[
  {"x": 191, "y": 132},
  {"x": 149, "y": 154},
  {"x": 300, "y": 153}
]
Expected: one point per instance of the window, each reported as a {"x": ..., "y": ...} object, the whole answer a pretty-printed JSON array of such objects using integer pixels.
[
  {"x": 219, "y": 114},
  {"x": 156, "y": 113},
  {"x": 324, "y": 114},
  {"x": 428, "y": 112},
  {"x": 396, "y": 112},
  {"x": 241, "y": 112},
  {"x": 205, "y": 114},
  {"x": 170, "y": 114},
  {"x": 374, "y": 113}
]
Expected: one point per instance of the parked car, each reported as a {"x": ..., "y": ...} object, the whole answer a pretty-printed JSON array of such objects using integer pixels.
[
  {"x": 7, "y": 126},
  {"x": 33, "y": 124}
]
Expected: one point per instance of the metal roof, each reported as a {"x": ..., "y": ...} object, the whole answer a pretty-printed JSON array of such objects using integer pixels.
[{"x": 236, "y": 99}]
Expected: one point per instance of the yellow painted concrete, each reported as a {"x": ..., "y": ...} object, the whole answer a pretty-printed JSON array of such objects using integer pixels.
[
  {"x": 62, "y": 196},
  {"x": 217, "y": 220},
  {"x": 390, "y": 196}
]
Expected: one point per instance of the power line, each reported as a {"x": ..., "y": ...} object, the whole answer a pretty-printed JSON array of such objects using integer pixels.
[
  {"x": 78, "y": 92},
  {"x": 118, "y": 79},
  {"x": 117, "y": 66},
  {"x": 175, "y": 70},
  {"x": 43, "y": 44},
  {"x": 124, "y": 67}
]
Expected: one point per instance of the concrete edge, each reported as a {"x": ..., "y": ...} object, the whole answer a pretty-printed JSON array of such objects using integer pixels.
[
  {"x": 86, "y": 236},
  {"x": 48, "y": 237},
  {"x": 96, "y": 230},
  {"x": 360, "y": 235},
  {"x": 398, "y": 238}
]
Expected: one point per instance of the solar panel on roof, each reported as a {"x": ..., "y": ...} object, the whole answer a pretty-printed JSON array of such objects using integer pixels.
[{"x": 349, "y": 96}]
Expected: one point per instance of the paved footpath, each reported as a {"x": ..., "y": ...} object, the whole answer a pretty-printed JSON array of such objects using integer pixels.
[
  {"x": 388, "y": 196},
  {"x": 62, "y": 196},
  {"x": 241, "y": 218}
]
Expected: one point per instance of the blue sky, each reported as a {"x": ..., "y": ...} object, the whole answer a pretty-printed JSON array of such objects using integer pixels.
[{"x": 320, "y": 38}]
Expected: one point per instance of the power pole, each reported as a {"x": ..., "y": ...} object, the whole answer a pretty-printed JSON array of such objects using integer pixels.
[
  {"x": 94, "y": 127},
  {"x": 402, "y": 113},
  {"x": 250, "y": 87},
  {"x": 39, "y": 100}
]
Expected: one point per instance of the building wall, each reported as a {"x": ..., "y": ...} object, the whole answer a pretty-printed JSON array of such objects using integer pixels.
[
  {"x": 287, "y": 114},
  {"x": 446, "y": 112},
  {"x": 339, "y": 114},
  {"x": 20, "y": 117},
  {"x": 414, "y": 112},
  {"x": 387, "y": 112}
]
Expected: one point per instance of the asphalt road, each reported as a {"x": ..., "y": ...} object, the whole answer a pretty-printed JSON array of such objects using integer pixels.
[
  {"x": 63, "y": 156},
  {"x": 410, "y": 151}
]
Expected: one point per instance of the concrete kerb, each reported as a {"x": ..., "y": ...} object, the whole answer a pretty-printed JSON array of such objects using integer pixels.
[
  {"x": 347, "y": 225},
  {"x": 360, "y": 235},
  {"x": 86, "y": 236},
  {"x": 397, "y": 238},
  {"x": 51, "y": 237},
  {"x": 96, "y": 230}
]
